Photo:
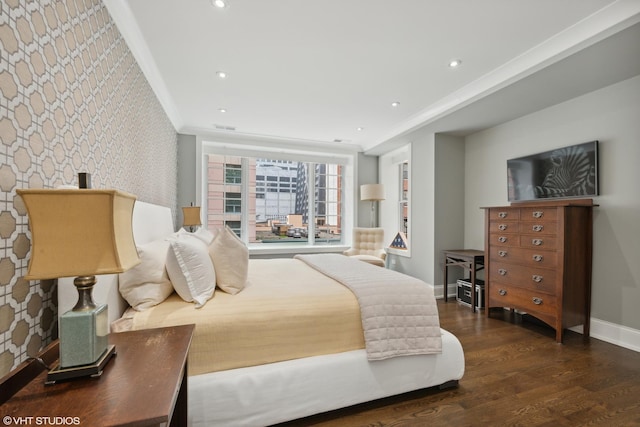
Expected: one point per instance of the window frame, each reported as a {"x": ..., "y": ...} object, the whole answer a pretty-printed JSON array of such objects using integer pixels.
[
  {"x": 345, "y": 157},
  {"x": 396, "y": 160}
]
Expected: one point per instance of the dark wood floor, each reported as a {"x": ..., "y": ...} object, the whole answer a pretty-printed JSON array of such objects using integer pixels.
[{"x": 516, "y": 375}]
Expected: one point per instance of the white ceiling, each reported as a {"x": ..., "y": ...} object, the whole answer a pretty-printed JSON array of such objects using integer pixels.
[{"x": 312, "y": 72}]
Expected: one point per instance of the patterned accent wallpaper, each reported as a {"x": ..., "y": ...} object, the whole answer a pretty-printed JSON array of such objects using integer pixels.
[{"x": 72, "y": 99}]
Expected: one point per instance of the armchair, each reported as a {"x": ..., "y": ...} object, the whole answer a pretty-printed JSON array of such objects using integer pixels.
[{"x": 368, "y": 246}]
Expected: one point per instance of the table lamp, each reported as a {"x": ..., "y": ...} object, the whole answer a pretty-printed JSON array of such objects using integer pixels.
[
  {"x": 80, "y": 233},
  {"x": 372, "y": 193},
  {"x": 191, "y": 217}
]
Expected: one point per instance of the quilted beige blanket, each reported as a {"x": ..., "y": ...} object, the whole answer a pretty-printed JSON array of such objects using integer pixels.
[{"x": 399, "y": 312}]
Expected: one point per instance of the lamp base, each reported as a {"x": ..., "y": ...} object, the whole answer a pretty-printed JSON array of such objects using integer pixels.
[
  {"x": 83, "y": 335},
  {"x": 93, "y": 370}
]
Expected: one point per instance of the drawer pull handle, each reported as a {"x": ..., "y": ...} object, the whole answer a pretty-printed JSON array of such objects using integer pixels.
[
  {"x": 502, "y": 227},
  {"x": 537, "y": 258},
  {"x": 536, "y": 278},
  {"x": 536, "y": 242},
  {"x": 537, "y": 227},
  {"x": 537, "y": 301},
  {"x": 502, "y": 214},
  {"x": 502, "y": 272},
  {"x": 537, "y": 214},
  {"x": 502, "y": 253},
  {"x": 502, "y": 239},
  {"x": 502, "y": 292}
]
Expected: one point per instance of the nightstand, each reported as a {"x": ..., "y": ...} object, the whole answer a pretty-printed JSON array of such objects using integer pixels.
[{"x": 144, "y": 385}]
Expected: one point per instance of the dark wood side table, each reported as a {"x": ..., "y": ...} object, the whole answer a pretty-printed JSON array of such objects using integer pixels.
[
  {"x": 144, "y": 385},
  {"x": 471, "y": 260}
]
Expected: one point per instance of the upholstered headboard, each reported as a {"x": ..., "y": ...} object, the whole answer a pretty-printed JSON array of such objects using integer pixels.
[{"x": 150, "y": 222}]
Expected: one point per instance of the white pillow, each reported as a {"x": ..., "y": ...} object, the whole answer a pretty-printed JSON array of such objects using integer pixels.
[
  {"x": 201, "y": 233},
  {"x": 230, "y": 258},
  {"x": 147, "y": 284},
  {"x": 190, "y": 269}
]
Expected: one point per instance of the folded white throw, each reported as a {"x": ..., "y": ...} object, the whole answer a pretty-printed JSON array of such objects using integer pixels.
[{"x": 399, "y": 312}]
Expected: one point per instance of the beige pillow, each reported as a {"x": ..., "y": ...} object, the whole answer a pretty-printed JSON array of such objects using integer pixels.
[
  {"x": 190, "y": 269},
  {"x": 230, "y": 258},
  {"x": 147, "y": 284}
]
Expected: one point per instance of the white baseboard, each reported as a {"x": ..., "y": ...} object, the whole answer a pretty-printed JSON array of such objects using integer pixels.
[{"x": 612, "y": 333}]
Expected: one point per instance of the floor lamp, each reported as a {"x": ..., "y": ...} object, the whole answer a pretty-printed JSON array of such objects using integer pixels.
[{"x": 372, "y": 193}]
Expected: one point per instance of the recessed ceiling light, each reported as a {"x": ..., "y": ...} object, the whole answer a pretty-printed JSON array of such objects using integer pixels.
[
  {"x": 455, "y": 63},
  {"x": 221, "y": 4},
  {"x": 395, "y": 104},
  {"x": 359, "y": 129},
  {"x": 221, "y": 74},
  {"x": 222, "y": 110}
]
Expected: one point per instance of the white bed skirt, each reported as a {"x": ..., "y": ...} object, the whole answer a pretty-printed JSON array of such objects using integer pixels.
[{"x": 268, "y": 394}]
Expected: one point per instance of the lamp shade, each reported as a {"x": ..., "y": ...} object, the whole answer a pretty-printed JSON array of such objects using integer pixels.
[
  {"x": 79, "y": 232},
  {"x": 191, "y": 215},
  {"x": 372, "y": 192}
]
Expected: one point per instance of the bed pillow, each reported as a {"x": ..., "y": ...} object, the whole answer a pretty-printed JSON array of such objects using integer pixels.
[
  {"x": 147, "y": 284},
  {"x": 190, "y": 269},
  {"x": 201, "y": 233},
  {"x": 230, "y": 257}
]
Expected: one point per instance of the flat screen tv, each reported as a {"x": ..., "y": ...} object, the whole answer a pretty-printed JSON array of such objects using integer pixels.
[{"x": 561, "y": 173}]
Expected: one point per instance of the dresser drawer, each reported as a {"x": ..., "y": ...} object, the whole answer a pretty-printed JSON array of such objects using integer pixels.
[
  {"x": 504, "y": 214},
  {"x": 504, "y": 239},
  {"x": 522, "y": 256},
  {"x": 538, "y": 241},
  {"x": 530, "y": 301},
  {"x": 539, "y": 213},
  {"x": 535, "y": 279},
  {"x": 504, "y": 227},
  {"x": 543, "y": 228}
]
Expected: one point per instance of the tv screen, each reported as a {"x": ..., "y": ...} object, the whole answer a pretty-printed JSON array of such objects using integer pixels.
[{"x": 562, "y": 173}]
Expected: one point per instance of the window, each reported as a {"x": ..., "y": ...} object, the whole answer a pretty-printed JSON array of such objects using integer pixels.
[
  {"x": 403, "y": 212},
  {"x": 233, "y": 174},
  {"x": 395, "y": 170},
  {"x": 233, "y": 203},
  {"x": 261, "y": 199},
  {"x": 236, "y": 227}
]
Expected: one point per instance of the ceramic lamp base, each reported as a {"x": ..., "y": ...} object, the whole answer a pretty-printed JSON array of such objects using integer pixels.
[{"x": 83, "y": 336}]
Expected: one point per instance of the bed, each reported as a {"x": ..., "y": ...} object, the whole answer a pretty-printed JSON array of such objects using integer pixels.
[{"x": 329, "y": 368}]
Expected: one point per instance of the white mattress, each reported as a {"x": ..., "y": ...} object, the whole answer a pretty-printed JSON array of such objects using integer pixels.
[{"x": 283, "y": 391}]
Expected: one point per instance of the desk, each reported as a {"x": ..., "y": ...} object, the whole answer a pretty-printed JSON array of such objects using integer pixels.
[
  {"x": 471, "y": 260},
  {"x": 144, "y": 384}
]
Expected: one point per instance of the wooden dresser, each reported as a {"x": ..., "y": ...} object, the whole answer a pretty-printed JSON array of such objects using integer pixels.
[{"x": 538, "y": 260}]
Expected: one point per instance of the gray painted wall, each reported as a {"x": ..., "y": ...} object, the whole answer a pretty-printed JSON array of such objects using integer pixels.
[
  {"x": 187, "y": 162},
  {"x": 367, "y": 173},
  {"x": 448, "y": 205},
  {"x": 437, "y": 203},
  {"x": 610, "y": 115},
  {"x": 453, "y": 177}
]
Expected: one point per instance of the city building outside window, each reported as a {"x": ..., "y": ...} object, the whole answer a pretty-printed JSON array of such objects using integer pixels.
[{"x": 275, "y": 201}]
